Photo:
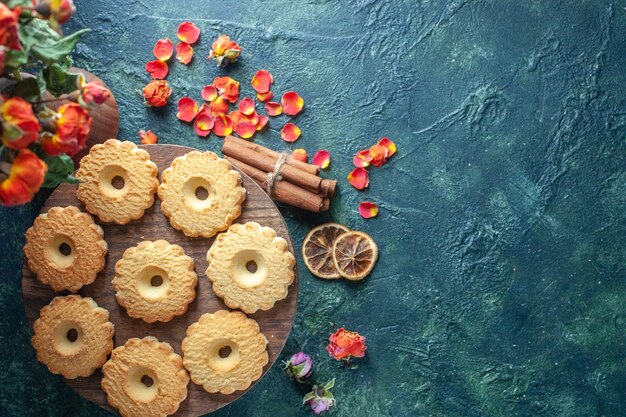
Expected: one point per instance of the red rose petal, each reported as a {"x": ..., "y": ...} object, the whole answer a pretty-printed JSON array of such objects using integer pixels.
[
  {"x": 292, "y": 103},
  {"x": 300, "y": 155},
  {"x": 362, "y": 159},
  {"x": 245, "y": 129},
  {"x": 379, "y": 155},
  {"x": 359, "y": 178},
  {"x": 367, "y": 210},
  {"x": 219, "y": 106},
  {"x": 253, "y": 118},
  {"x": 237, "y": 117},
  {"x": 290, "y": 132},
  {"x": 157, "y": 69},
  {"x": 188, "y": 32},
  {"x": 223, "y": 125},
  {"x": 264, "y": 97},
  {"x": 322, "y": 159},
  {"x": 388, "y": 143},
  {"x": 263, "y": 119},
  {"x": 147, "y": 137},
  {"x": 246, "y": 106},
  {"x": 273, "y": 109},
  {"x": 163, "y": 49},
  {"x": 204, "y": 123},
  {"x": 187, "y": 109},
  {"x": 209, "y": 93},
  {"x": 184, "y": 53},
  {"x": 262, "y": 80}
]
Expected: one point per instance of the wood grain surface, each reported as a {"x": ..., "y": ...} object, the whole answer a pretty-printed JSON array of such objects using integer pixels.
[{"x": 275, "y": 323}]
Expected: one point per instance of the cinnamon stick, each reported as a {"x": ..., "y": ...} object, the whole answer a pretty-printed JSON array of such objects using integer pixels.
[
  {"x": 310, "y": 168},
  {"x": 266, "y": 163},
  {"x": 282, "y": 191}
]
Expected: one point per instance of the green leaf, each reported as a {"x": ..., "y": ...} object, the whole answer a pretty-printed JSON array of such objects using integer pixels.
[
  {"x": 58, "y": 80},
  {"x": 23, "y": 3},
  {"x": 28, "y": 89},
  {"x": 15, "y": 59},
  {"x": 46, "y": 44},
  {"x": 60, "y": 170},
  {"x": 308, "y": 397},
  {"x": 329, "y": 384}
]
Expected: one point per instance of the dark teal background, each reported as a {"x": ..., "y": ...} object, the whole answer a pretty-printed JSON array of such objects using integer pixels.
[{"x": 501, "y": 285}]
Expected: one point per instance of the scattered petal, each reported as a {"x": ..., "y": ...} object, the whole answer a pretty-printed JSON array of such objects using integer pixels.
[
  {"x": 223, "y": 125},
  {"x": 228, "y": 88},
  {"x": 246, "y": 106},
  {"x": 204, "y": 123},
  {"x": 163, "y": 49},
  {"x": 273, "y": 109},
  {"x": 245, "y": 129},
  {"x": 157, "y": 69},
  {"x": 292, "y": 103},
  {"x": 209, "y": 93},
  {"x": 187, "y": 109},
  {"x": 147, "y": 137},
  {"x": 367, "y": 210},
  {"x": 237, "y": 117},
  {"x": 264, "y": 97},
  {"x": 253, "y": 118},
  {"x": 262, "y": 80},
  {"x": 379, "y": 155},
  {"x": 263, "y": 119},
  {"x": 300, "y": 155},
  {"x": 184, "y": 53},
  {"x": 219, "y": 106},
  {"x": 388, "y": 143},
  {"x": 322, "y": 159},
  {"x": 362, "y": 159},
  {"x": 188, "y": 32},
  {"x": 359, "y": 178},
  {"x": 290, "y": 132}
]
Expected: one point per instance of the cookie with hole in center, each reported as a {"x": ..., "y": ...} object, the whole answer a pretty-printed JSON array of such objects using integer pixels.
[
  {"x": 155, "y": 281},
  {"x": 145, "y": 377},
  {"x": 224, "y": 352},
  {"x": 73, "y": 336},
  {"x": 201, "y": 194},
  {"x": 118, "y": 181},
  {"x": 250, "y": 267},
  {"x": 65, "y": 248}
]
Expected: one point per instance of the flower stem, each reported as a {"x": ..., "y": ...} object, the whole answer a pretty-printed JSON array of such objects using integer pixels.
[{"x": 17, "y": 75}]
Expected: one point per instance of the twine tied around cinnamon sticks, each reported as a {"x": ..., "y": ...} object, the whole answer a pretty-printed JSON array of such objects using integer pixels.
[{"x": 291, "y": 182}]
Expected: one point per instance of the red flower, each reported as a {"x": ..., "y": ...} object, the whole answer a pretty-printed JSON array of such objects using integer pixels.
[
  {"x": 156, "y": 93},
  {"x": 62, "y": 10},
  {"x": 8, "y": 27},
  {"x": 94, "y": 93},
  {"x": 344, "y": 343},
  {"x": 2, "y": 58},
  {"x": 20, "y": 126},
  {"x": 24, "y": 179},
  {"x": 73, "y": 125},
  {"x": 224, "y": 50}
]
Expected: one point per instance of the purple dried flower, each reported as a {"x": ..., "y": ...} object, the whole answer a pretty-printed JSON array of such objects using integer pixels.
[
  {"x": 320, "y": 399},
  {"x": 299, "y": 366}
]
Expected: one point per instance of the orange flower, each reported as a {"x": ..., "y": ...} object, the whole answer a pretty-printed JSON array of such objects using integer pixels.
[
  {"x": 20, "y": 126},
  {"x": 224, "y": 50},
  {"x": 8, "y": 27},
  {"x": 228, "y": 88},
  {"x": 24, "y": 179},
  {"x": 344, "y": 344},
  {"x": 73, "y": 126},
  {"x": 156, "y": 93},
  {"x": 148, "y": 137},
  {"x": 62, "y": 10}
]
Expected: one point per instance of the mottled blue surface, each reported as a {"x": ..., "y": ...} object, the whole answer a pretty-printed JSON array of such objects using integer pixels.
[{"x": 500, "y": 290}]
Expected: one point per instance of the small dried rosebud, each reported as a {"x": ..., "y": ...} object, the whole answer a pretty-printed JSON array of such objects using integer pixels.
[
  {"x": 299, "y": 367},
  {"x": 92, "y": 93},
  {"x": 147, "y": 137},
  {"x": 156, "y": 93},
  {"x": 224, "y": 50},
  {"x": 320, "y": 399},
  {"x": 62, "y": 10},
  {"x": 343, "y": 344}
]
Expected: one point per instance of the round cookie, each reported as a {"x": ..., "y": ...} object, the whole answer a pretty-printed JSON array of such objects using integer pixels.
[
  {"x": 145, "y": 377},
  {"x": 155, "y": 281},
  {"x": 73, "y": 336},
  {"x": 118, "y": 181},
  {"x": 250, "y": 267},
  {"x": 201, "y": 194},
  {"x": 65, "y": 248},
  {"x": 224, "y": 352}
]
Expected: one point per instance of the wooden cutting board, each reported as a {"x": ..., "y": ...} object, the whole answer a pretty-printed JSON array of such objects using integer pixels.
[{"x": 275, "y": 323}]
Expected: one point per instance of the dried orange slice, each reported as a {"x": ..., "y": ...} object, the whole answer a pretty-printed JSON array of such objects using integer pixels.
[
  {"x": 354, "y": 255},
  {"x": 317, "y": 249}
]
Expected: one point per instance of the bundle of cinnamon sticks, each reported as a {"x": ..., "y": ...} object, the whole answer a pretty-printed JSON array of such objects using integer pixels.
[{"x": 296, "y": 183}]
